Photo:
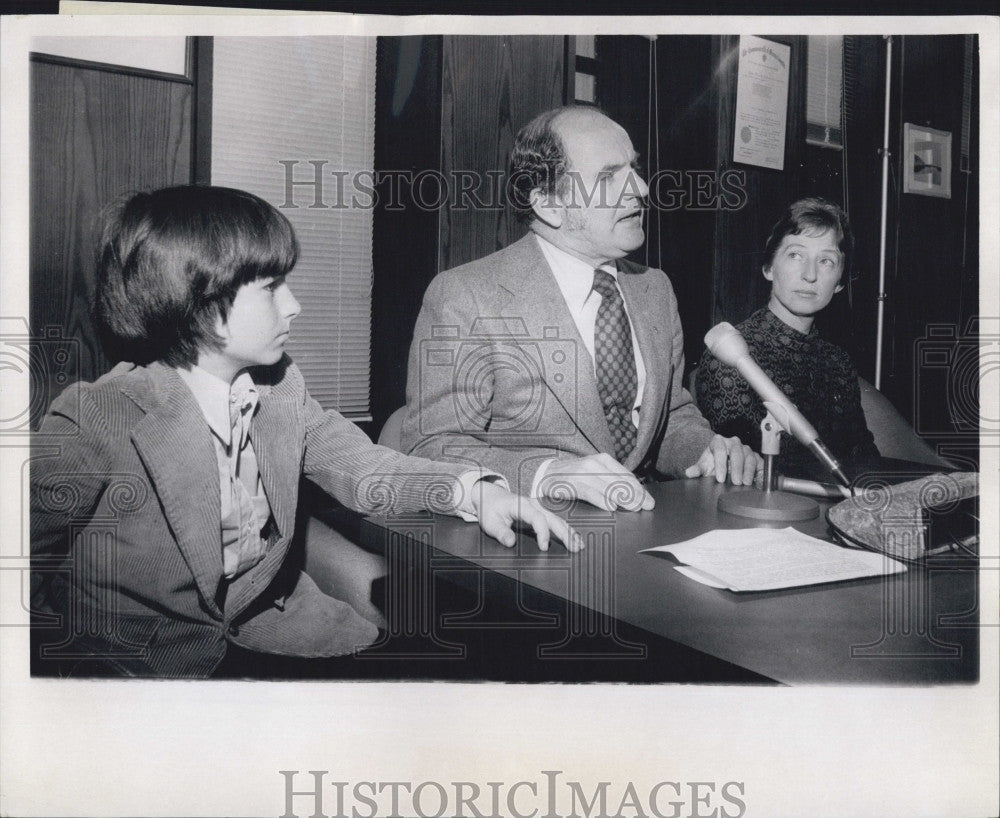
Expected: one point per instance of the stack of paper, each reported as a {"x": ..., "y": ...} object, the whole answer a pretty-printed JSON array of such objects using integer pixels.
[{"x": 764, "y": 559}]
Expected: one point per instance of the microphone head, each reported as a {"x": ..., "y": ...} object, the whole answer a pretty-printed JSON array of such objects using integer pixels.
[{"x": 726, "y": 344}]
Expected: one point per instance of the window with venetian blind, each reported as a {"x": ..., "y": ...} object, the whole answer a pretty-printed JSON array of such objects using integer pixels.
[
  {"x": 287, "y": 105},
  {"x": 824, "y": 90}
]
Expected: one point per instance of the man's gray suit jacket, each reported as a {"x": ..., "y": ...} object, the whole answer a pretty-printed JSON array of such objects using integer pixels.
[{"x": 500, "y": 377}]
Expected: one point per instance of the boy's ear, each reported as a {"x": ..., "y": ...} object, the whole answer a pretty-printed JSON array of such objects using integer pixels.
[
  {"x": 547, "y": 208},
  {"x": 221, "y": 324}
]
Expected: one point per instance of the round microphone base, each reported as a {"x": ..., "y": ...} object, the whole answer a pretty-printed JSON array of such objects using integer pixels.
[{"x": 768, "y": 505}]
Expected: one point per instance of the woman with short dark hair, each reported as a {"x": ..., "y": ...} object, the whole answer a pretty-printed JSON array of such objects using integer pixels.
[{"x": 805, "y": 258}]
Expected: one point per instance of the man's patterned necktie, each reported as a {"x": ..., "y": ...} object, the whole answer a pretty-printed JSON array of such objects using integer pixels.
[{"x": 615, "y": 364}]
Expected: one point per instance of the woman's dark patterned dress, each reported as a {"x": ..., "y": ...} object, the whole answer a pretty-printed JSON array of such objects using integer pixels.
[{"x": 817, "y": 376}]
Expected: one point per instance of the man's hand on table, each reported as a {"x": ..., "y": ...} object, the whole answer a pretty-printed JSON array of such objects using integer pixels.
[
  {"x": 728, "y": 455},
  {"x": 598, "y": 479}
]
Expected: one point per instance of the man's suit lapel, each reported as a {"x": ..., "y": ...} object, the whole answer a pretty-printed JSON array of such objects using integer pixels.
[
  {"x": 535, "y": 297},
  {"x": 174, "y": 442},
  {"x": 648, "y": 329}
]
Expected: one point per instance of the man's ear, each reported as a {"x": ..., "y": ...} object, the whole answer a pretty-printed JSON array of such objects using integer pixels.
[
  {"x": 838, "y": 288},
  {"x": 547, "y": 208},
  {"x": 766, "y": 270}
]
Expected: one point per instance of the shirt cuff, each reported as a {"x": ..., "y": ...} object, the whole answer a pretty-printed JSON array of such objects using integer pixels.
[
  {"x": 539, "y": 476},
  {"x": 467, "y": 485}
]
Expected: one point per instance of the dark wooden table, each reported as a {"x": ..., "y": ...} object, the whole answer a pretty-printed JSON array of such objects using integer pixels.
[{"x": 920, "y": 627}]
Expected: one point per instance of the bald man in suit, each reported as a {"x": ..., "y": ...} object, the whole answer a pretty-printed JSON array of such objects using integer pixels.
[{"x": 554, "y": 361}]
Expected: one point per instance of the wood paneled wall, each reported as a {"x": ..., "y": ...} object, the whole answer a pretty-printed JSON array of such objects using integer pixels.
[
  {"x": 96, "y": 135},
  {"x": 490, "y": 88},
  {"x": 449, "y": 105}
]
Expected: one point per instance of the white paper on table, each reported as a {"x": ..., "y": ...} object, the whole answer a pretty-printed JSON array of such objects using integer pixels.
[{"x": 765, "y": 559}]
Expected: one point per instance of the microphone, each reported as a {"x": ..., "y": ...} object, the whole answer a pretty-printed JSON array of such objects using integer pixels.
[{"x": 726, "y": 344}]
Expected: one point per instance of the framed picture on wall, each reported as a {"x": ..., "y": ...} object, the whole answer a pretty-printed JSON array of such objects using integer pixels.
[{"x": 926, "y": 161}]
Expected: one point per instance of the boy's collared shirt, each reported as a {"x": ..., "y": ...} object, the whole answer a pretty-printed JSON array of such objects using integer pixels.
[{"x": 245, "y": 508}]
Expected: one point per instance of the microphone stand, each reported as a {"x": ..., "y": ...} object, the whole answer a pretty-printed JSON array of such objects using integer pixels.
[{"x": 769, "y": 503}]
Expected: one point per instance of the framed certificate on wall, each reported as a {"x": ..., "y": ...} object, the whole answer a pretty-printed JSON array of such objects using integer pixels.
[{"x": 761, "y": 103}]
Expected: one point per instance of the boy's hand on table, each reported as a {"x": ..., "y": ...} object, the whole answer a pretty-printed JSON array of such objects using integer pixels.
[{"x": 498, "y": 510}]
